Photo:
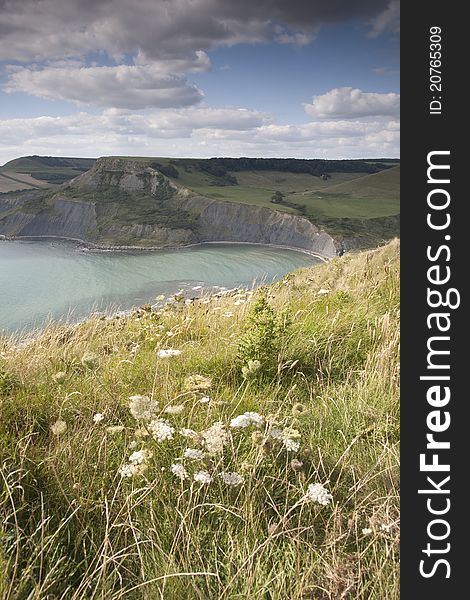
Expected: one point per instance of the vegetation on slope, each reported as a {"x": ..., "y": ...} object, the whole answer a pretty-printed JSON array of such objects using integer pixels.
[{"x": 279, "y": 390}]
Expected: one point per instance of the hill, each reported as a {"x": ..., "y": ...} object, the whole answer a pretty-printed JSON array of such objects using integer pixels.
[
  {"x": 240, "y": 446},
  {"x": 158, "y": 201},
  {"x": 43, "y": 170}
]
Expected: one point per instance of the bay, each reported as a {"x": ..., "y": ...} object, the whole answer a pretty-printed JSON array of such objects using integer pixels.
[{"x": 43, "y": 280}]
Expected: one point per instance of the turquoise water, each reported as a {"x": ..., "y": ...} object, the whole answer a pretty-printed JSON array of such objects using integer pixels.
[{"x": 40, "y": 280}]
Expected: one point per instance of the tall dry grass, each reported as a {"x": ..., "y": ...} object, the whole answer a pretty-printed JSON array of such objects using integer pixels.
[{"x": 72, "y": 528}]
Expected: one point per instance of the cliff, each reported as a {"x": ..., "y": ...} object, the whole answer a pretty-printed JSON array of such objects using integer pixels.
[{"x": 127, "y": 202}]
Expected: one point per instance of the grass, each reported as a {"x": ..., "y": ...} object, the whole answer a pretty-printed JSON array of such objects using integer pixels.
[{"x": 327, "y": 342}]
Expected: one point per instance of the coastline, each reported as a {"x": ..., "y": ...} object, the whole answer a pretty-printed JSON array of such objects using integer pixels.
[{"x": 93, "y": 247}]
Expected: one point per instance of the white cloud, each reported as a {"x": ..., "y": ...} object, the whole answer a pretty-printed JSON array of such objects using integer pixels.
[
  {"x": 348, "y": 103},
  {"x": 123, "y": 86},
  {"x": 198, "y": 132}
]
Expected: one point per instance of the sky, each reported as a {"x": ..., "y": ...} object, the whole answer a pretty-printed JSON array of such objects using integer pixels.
[{"x": 199, "y": 78}]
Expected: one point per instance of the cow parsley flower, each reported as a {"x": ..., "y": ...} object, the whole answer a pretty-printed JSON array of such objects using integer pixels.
[
  {"x": 161, "y": 430},
  {"x": 193, "y": 454},
  {"x": 166, "y": 353},
  {"x": 98, "y": 417},
  {"x": 142, "y": 407},
  {"x": 275, "y": 433},
  {"x": 60, "y": 376},
  {"x": 316, "y": 492},
  {"x": 179, "y": 471},
  {"x": 291, "y": 445},
  {"x": 174, "y": 409},
  {"x": 115, "y": 428},
  {"x": 202, "y": 477},
  {"x": 247, "y": 419},
  {"x": 188, "y": 433},
  {"x": 139, "y": 456},
  {"x": 59, "y": 427},
  {"x": 232, "y": 478},
  {"x": 215, "y": 438}
]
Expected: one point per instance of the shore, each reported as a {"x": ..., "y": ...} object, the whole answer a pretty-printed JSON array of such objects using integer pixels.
[{"x": 93, "y": 247}]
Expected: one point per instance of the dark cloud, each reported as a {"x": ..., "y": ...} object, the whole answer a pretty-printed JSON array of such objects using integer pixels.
[{"x": 45, "y": 29}]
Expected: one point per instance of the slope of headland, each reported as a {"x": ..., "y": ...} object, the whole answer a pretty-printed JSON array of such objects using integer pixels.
[
  {"x": 242, "y": 445},
  {"x": 143, "y": 202}
]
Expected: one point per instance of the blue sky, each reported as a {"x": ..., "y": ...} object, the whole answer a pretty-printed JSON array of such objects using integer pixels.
[{"x": 199, "y": 78}]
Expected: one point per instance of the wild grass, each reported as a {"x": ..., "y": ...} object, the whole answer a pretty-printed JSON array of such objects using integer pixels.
[{"x": 326, "y": 341}]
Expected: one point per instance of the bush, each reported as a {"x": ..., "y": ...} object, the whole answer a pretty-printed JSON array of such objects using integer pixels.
[{"x": 261, "y": 341}]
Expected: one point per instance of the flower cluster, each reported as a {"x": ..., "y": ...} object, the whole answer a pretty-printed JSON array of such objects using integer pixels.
[
  {"x": 142, "y": 408},
  {"x": 316, "y": 492},
  {"x": 161, "y": 430},
  {"x": 137, "y": 465},
  {"x": 247, "y": 419},
  {"x": 215, "y": 438}
]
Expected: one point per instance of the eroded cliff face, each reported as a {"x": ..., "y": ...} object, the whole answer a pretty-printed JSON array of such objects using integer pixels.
[{"x": 95, "y": 221}]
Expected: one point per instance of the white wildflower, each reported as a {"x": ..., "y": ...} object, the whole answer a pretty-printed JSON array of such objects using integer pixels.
[
  {"x": 202, "y": 477},
  {"x": 59, "y": 427},
  {"x": 179, "y": 471},
  {"x": 168, "y": 352},
  {"x": 139, "y": 456},
  {"x": 275, "y": 433},
  {"x": 115, "y": 428},
  {"x": 384, "y": 527},
  {"x": 247, "y": 419},
  {"x": 170, "y": 333},
  {"x": 366, "y": 531},
  {"x": 133, "y": 445},
  {"x": 60, "y": 376},
  {"x": 188, "y": 433},
  {"x": 131, "y": 469},
  {"x": 161, "y": 430},
  {"x": 98, "y": 417},
  {"x": 204, "y": 399},
  {"x": 316, "y": 492},
  {"x": 215, "y": 438},
  {"x": 232, "y": 478},
  {"x": 174, "y": 409},
  {"x": 322, "y": 292},
  {"x": 193, "y": 454},
  {"x": 142, "y": 407},
  {"x": 290, "y": 445}
]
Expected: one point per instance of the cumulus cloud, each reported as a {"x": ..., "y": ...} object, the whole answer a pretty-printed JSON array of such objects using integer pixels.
[
  {"x": 48, "y": 29},
  {"x": 206, "y": 131},
  {"x": 122, "y": 86},
  {"x": 348, "y": 102}
]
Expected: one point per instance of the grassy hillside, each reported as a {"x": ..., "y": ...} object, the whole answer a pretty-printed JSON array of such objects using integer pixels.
[
  {"x": 45, "y": 169},
  {"x": 287, "y": 400}
]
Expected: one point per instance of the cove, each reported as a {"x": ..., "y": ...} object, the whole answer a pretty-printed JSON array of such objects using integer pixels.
[{"x": 43, "y": 280}]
